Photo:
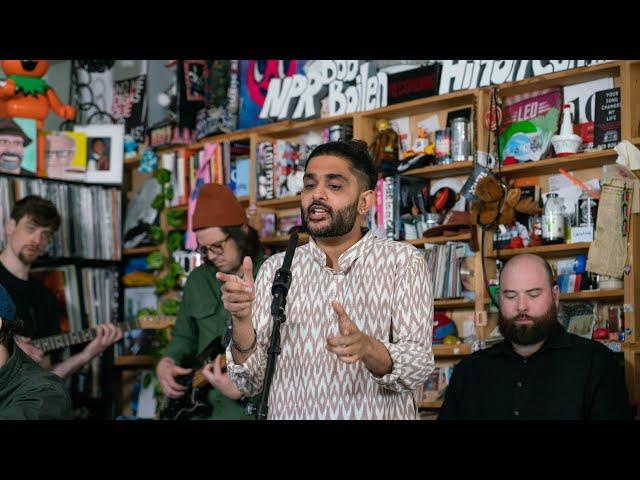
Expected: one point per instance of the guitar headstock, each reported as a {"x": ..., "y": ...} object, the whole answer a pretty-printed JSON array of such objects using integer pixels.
[{"x": 157, "y": 321}]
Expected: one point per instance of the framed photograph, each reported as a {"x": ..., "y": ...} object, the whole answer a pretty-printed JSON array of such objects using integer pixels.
[
  {"x": 18, "y": 142},
  {"x": 65, "y": 155},
  {"x": 105, "y": 152}
]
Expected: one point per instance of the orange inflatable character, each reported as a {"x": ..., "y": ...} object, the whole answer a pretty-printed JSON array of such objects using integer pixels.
[{"x": 24, "y": 94}]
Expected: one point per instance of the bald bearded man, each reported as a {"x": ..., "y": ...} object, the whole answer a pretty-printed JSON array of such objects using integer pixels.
[{"x": 539, "y": 371}]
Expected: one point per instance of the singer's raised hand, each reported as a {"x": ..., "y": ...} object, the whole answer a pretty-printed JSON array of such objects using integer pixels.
[
  {"x": 351, "y": 345},
  {"x": 237, "y": 292}
]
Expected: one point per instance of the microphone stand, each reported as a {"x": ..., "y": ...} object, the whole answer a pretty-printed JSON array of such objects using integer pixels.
[{"x": 279, "y": 290}]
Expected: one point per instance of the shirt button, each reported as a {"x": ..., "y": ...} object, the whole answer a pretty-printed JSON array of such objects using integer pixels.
[
  {"x": 519, "y": 384},
  {"x": 524, "y": 361},
  {"x": 516, "y": 413}
]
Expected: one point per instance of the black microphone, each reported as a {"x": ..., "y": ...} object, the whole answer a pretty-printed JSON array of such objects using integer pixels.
[{"x": 282, "y": 280}]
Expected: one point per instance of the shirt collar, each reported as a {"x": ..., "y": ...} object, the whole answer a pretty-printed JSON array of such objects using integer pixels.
[
  {"x": 348, "y": 257},
  {"x": 559, "y": 338}
]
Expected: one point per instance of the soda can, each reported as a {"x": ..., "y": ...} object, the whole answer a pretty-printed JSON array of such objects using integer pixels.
[{"x": 443, "y": 146}]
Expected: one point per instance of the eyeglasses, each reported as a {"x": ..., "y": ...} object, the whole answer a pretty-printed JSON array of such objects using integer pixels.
[
  {"x": 215, "y": 248},
  {"x": 60, "y": 153}
]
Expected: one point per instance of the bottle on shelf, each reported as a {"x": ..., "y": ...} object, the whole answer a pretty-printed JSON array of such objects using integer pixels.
[{"x": 553, "y": 220}]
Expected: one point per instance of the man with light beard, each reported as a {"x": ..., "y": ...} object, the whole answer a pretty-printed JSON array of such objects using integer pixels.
[
  {"x": 539, "y": 371},
  {"x": 33, "y": 223},
  {"x": 356, "y": 343}
]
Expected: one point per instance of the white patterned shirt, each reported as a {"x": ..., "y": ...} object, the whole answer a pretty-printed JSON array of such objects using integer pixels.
[{"x": 385, "y": 288}]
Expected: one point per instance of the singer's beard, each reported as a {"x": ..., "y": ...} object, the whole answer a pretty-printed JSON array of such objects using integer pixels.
[
  {"x": 528, "y": 334},
  {"x": 340, "y": 224}
]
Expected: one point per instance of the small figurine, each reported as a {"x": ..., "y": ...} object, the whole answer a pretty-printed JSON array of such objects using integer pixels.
[
  {"x": 421, "y": 146},
  {"x": 384, "y": 148},
  {"x": 24, "y": 94}
]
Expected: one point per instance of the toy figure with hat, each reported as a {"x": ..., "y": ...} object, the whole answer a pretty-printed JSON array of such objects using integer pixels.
[{"x": 25, "y": 94}]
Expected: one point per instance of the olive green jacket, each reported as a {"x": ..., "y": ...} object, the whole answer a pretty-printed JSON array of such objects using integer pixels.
[
  {"x": 201, "y": 319},
  {"x": 29, "y": 392}
]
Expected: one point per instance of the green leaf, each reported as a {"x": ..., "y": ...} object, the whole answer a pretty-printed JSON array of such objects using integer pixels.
[
  {"x": 170, "y": 281},
  {"x": 156, "y": 233},
  {"x": 146, "y": 311},
  {"x": 169, "y": 193},
  {"x": 158, "y": 202},
  {"x": 170, "y": 306},
  {"x": 174, "y": 242},
  {"x": 163, "y": 176},
  {"x": 161, "y": 286},
  {"x": 175, "y": 269},
  {"x": 155, "y": 260}
]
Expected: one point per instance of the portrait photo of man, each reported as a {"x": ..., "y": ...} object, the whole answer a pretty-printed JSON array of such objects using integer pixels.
[
  {"x": 13, "y": 142},
  {"x": 60, "y": 151}
]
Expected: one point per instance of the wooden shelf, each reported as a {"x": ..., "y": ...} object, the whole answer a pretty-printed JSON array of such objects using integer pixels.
[
  {"x": 593, "y": 295},
  {"x": 551, "y": 251},
  {"x": 567, "y": 77},
  {"x": 441, "y": 171},
  {"x": 548, "y": 166},
  {"x": 221, "y": 137},
  {"x": 140, "y": 250},
  {"x": 284, "y": 202},
  {"x": 282, "y": 241},
  {"x": 447, "y": 303},
  {"x": 244, "y": 199},
  {"x": 431, "y": 405},
  {"x": 136, "y": 361},
  {"x": 463, "y": 237},
  {"x": 460, "y": 350},
  {"x": 635, "y": 140}
]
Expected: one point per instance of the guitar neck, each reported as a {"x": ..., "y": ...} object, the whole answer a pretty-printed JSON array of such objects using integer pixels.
[{"x": 63, "y": 340}]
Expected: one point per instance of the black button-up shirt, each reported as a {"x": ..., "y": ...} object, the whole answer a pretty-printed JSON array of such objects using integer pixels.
[{"x": 568, "y": 378}]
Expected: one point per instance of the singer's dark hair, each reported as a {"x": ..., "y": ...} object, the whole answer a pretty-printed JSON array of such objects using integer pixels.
[{"x": 357, "y": 154}]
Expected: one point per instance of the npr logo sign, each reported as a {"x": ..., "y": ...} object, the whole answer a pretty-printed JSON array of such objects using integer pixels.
[{"x": 349, "y": 86}]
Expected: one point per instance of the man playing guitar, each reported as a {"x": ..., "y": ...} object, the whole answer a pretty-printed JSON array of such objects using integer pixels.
[{"x": 220, "y": 226}]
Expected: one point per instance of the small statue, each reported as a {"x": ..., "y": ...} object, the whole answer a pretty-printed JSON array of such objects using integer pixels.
[
  {"x": 421, "y": 145},
  {"x": 384, "y": 148}
]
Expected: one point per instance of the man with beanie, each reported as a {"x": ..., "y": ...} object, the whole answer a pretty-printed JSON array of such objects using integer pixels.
[
  {"x": 27, "y": 391},
  {"x": 224, "y": 239}
]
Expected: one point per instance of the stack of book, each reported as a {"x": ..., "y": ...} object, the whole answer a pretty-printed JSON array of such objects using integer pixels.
[
  {"x": 443, "y": 262},
  {"x": 224, "y": 163}
]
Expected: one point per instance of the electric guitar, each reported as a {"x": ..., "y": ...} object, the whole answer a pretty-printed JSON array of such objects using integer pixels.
[
  {"x": 55, "y": 342},
  {"x": 194, "y": 401}
]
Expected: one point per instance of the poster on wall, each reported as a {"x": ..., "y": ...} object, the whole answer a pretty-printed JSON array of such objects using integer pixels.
[
  {"x": 129, "y": 105},
  {"x": 255, "y": 76}
]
